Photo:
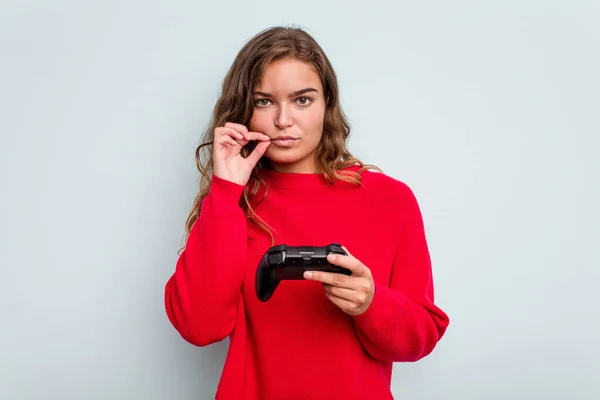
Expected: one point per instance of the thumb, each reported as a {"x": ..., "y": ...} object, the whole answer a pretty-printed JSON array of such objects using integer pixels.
[
  {"x": 257, "y": 153},
  {"x": 346, "y": 250}
]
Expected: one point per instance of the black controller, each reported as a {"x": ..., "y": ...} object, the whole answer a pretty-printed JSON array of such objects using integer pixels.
[{"x": 285, "y": 262}]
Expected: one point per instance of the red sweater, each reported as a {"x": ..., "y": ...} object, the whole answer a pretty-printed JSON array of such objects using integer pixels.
[{"x": 299, "y": 345}]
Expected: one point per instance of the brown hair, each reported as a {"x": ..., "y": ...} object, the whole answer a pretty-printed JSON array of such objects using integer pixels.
[{"x": 245, "y": 73}]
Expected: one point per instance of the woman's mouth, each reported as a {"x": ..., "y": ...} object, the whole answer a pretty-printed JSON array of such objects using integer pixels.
[{"x": 284, "y": 141}]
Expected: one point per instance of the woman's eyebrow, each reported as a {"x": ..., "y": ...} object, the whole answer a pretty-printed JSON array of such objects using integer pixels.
[{"x": 293, "y": 94}]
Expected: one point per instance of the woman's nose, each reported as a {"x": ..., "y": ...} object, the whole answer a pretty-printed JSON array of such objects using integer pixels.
[{"x": 283, "y": 118}]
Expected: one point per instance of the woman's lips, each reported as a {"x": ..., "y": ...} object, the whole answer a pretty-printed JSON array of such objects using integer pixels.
[{"x": 284, "y": 141}]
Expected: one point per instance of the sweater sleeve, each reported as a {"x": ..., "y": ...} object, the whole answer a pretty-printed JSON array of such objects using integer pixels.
[
  {"x": 403, "y": 323},
  {"x": 202, "y": 295}
]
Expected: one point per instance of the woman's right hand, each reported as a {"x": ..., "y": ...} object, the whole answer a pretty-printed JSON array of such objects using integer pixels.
[{"x": 228, "y": 162}]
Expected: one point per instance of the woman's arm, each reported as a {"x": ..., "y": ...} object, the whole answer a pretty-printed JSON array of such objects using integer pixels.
[
  {"x": 403, "y": 323},
  {"x": 202, "y": 296}
]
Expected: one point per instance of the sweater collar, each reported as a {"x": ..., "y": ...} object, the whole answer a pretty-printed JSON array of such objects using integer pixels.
[{"x": 296, "y": 180}]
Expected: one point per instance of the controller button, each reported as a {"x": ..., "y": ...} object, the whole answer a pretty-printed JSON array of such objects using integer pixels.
[
  {"x": 306, "y": 249},
  {"x": 276, "y": 258},
  {"x": 277, "y": 249}
]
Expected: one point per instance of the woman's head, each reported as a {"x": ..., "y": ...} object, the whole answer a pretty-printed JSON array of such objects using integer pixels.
[
  {"x": 280, "y": 61},
  {"x": 289, "y": 107},
  {"x": 281, "y": 84}
]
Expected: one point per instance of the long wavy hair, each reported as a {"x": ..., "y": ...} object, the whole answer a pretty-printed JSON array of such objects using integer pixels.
[{"x": 235, "y": 104}]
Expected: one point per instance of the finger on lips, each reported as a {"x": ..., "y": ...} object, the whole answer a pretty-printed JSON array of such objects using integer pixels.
[
  {"x": 258, "y": 136},
  {"x": 240, "y": 131}
]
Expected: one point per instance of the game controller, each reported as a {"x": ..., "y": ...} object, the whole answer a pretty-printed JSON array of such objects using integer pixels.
[{"x": 285, "y": 262}]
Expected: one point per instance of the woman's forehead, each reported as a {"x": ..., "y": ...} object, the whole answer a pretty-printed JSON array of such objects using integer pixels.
[{"x": 285, "y": 77}]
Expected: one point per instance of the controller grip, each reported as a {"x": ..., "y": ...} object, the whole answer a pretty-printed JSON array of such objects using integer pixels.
[{"x": 284, "y": 262}]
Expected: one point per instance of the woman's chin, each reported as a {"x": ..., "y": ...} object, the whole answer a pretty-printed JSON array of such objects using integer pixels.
[{"x": 278, "y": 157}]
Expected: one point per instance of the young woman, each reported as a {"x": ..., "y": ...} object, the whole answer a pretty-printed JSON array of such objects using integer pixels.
[{"x": 276, "y": 170}]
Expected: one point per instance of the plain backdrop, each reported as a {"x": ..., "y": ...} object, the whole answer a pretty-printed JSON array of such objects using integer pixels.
[{"x": 489, "y": 110}]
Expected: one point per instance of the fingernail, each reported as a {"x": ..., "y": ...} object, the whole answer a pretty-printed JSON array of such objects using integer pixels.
[
  {"x": 331, "y": 257},
  {"x": 307, "y": 274}
]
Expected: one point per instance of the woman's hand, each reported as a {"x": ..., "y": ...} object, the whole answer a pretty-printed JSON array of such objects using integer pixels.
[
  {"x": 228, "y": 163},
  {"x": 352, "y": 294}
]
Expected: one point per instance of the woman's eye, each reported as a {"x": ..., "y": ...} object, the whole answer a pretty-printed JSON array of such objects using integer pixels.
[
  {"x": 303, "y": 101},
  {"x": 262, "y": 102}
]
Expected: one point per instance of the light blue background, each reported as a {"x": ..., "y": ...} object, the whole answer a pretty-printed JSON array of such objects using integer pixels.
[{"x": 489, "y": 110}]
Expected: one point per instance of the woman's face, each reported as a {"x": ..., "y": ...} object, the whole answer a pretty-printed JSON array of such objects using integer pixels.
[{"x": 289, "y": 107}]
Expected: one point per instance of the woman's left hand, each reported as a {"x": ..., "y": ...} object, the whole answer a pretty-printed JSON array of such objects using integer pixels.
[{"x": 352, "y": 294}]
